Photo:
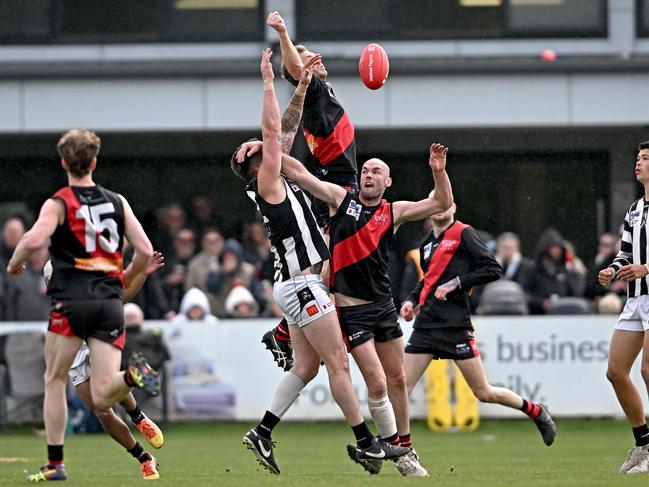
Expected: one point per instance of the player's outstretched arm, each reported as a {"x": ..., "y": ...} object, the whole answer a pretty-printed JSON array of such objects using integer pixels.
[
  {"x": 269, "y": 184},
  {"x": 332, "y": 194},
  {"x": 440, "y": 199},
  {"x": 51, "y": 216},
  {"x": 293, "y": 113},
  {"x": 290, "y": 56},
  {"x": 133, "y": 282}
]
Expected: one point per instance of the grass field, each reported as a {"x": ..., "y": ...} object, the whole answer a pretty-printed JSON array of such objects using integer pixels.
[{"x": 500, "y": 453}]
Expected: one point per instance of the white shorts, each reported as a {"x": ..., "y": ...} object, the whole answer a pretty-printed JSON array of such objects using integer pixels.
[
  {"x": 303, "y": 299},
  {"x": 635, "y": 315},
  {"x": 80, "y": 370}
]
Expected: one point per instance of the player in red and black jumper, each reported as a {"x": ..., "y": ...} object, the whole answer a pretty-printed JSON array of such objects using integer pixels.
[
  {"x": 454, "y": 259},
  {"x": 362, "y": 228},
  {"x": 87, "y": 225},
  {"x": 326, "y": 142}
]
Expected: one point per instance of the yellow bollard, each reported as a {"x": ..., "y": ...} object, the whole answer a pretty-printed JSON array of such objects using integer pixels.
[{"x": 438, "y": 396}]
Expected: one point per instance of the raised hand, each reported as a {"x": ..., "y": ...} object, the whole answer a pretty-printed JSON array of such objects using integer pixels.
[
  {"x": 276, "y": 21},
  {"x": 307, "y": 71},
  {"x": 157, "y": 261},
  {"x": 266, "y": 67},
  {"x": 437, "y": 159},
  {"x": 248, "y": 149}
]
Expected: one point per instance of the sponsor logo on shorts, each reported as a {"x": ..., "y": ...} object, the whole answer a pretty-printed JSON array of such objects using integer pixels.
[
  {"x": 114, "y": 333},
  {"x": 327, "y": 305},
  {"x": 312, "y": 310},
  {"x": 462, "y": 348}
]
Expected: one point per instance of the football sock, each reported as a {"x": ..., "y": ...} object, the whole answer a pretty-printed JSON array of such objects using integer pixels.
[
  {"x": 405, "y": 440},
  {"x": 128, "y": 379},
  {"x": 285, "y": 394},
  {"x": 383, "y": 416},
  {"x": 136, "y": 415},
  {"x": 268, "y": 422},
  {"x": 531, "y": 409},
  {"x": 54, "y": 455},
  {"x": 139, "y": 454},
  {"x": 363, "y": 435},
  {"x": 281, "y": 332},
  {"x": 641, "y": 435}
]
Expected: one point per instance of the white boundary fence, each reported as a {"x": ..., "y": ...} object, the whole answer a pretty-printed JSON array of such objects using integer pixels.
[{"x": 224, "y": 372}]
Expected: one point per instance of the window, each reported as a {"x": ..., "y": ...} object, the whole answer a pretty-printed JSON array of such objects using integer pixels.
[
  {"x": 66, "y": 21},
  {"x": 447, "y": 19}
]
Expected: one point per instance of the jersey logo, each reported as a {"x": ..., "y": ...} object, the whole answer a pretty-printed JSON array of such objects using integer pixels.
[
  {"x": 381, "y": 218},
  {"x": 312, "y": 310},
  {"x": 634, "y": 217},
  {"x": 354, "y": 209},
  {"x": 427, "y": 250},
  {"x": 294, "y": 187},
  {"x": 449, "y": 245}
]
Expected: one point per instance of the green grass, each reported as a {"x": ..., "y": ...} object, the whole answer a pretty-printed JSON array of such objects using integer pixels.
[{"x": 500, "y": 453}]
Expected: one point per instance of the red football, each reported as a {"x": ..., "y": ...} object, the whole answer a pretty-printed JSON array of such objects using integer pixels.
[{"x": 373, "y": 66}]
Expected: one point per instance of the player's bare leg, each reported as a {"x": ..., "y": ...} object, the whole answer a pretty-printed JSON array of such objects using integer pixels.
[
  {"x": 119, "y": 431},
  {"x": 391, "y": 355},
  {"x": 59, "y": 355},
  {"x": 473, "y": 371},
  {"x": 623, "y": 350}
]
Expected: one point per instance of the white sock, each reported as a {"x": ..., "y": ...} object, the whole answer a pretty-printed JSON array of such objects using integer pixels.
[
  {"x": 383, "y": 416},
  {"x": 285, "y": 394}
]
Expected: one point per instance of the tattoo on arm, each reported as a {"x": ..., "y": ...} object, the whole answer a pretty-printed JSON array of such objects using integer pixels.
[{"x": 291, "y": 121}]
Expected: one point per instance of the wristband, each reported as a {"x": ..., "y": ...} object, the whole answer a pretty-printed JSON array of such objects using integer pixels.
[{"x": 268, "y": 85}]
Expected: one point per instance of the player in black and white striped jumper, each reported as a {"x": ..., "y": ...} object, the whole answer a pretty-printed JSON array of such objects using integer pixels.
[
  {"x": 299, "y": 290},
  {"x": 630, "y": 335}
]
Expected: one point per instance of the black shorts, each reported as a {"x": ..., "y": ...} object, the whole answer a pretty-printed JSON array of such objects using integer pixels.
[
  {"x": 443, "y": 343},
  {"x": 366, "y": 321},
  {"x": 102, "y": 319}
]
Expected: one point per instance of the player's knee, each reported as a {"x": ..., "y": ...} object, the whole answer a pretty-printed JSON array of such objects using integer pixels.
[
  {"x": 103, "y": 414},
  {"x": 644, "y": 370},
  {"x": 485, "y": 394},
  {"x": 376, "y": 385},
  {"x": 53, "y": 378},
  {"x": 306, "y": 371},
  {"x": 615, "y": 375},
  {"x": 397, "y": 379}
]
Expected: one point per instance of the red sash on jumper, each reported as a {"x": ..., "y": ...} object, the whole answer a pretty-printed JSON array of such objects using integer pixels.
[{"x": 441, "y": 257}]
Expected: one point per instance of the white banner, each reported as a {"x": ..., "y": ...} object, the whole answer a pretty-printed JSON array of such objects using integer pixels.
[{"x": 224, "y": 371}]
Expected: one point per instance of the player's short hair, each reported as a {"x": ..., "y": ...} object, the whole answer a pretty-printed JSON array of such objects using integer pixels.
[
  {"x": 242, "y": 169},
  {"x": 285, "y": 74},
  {"x": 78, "y": 148},
  {"x": 643, "y": 145}
]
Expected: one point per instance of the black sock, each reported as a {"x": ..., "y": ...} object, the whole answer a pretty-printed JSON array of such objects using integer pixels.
[
  {"x": 393, "y": 440},
  {"x": 265, "y": 428},
  {"x": 139, "y": 454},
  {"x": 363, "y": 435},
  {"x": 136, "y": 415},
  {"x": 531, "y": 409},
  {"x": 406, "y": 440},
  {"x": 54, "y": 455},
  {"x": 281, "y": 331},
  {"x": 641, "y": 435}
]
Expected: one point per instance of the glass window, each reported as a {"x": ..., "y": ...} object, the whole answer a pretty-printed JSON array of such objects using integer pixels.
[
  {"x": 25, "y": 20},
  {"x": 444, "y": 19},
  {"x": 643, "y": 18}
]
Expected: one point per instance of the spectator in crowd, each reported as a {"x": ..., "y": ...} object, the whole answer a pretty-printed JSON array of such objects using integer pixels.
[
  {"x": 257, "y": 250},
  {"x": 240, "y": 303},
  {"x": 554, "y": 273},
  {"x": 194, "y": 307},
  {"x": 148, "y": 342},
  {"x": 25, "y": 297},
  {"x": 234, "y": 271},
  {"x": 202, "y": 216},
  {"x": 12, "y": 231},
  {"x": 508, "y": 254},
  {"x": 170, "y": 220},
  {"x": 609, "y": 304},
  {"x": 173, "y": 275},
  {"x": 206, "y": 261},
  {"x": 606, "y": 251}
]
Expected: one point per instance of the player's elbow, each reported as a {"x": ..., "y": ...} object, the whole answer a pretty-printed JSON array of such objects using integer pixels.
[{"x": 33, "y": 241}]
